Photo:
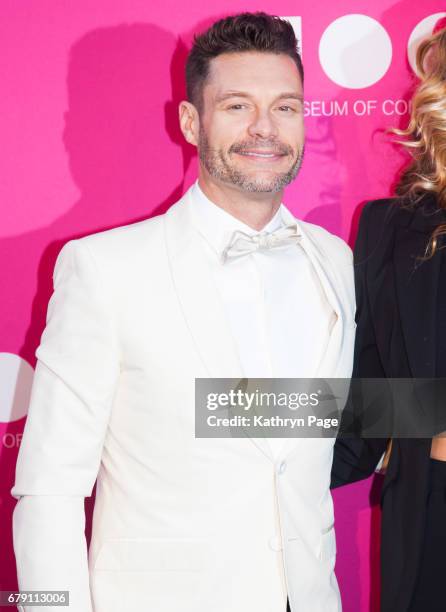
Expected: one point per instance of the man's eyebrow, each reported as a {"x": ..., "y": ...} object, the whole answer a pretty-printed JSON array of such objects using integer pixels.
[{"x": 243, "y": 94}]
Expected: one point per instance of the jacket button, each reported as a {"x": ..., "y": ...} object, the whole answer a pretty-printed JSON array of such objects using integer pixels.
[
  {"x": 282, "y": 467},
  {"x": 275, "y": 543}
]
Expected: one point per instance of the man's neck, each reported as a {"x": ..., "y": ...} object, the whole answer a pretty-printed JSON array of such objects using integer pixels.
[{"x": 255, "y": 209}]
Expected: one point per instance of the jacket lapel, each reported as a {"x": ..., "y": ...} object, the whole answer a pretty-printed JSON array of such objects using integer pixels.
[
  {"x": 200, "y": 301},
  {"x": 331, "y": 364}
]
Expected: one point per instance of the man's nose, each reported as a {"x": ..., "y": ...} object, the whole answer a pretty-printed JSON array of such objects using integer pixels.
[{"x": 263, "y": 125}]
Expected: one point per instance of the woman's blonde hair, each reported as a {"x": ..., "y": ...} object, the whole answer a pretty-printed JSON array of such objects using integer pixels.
[{"x": 425, "y": 135}]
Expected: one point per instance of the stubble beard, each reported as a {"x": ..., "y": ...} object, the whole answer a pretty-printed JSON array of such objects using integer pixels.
[{"x": 218, "y": 166}]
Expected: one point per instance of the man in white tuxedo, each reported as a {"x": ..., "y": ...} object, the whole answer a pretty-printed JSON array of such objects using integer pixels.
[{"x": 228, "y": 283}]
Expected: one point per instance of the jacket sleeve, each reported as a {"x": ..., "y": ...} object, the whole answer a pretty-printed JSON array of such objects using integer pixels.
[
  {"x": 357, "y": 458},
  {"x": 73, "y": 388}
]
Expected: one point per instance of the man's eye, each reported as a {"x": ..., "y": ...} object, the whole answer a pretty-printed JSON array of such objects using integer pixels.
[
  {"x": 236, "y": 106},
  {"x": 288, "y": 107}
]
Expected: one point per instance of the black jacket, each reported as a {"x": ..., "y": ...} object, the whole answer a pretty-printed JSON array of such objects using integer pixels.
[{"x": 395, "y": 337}]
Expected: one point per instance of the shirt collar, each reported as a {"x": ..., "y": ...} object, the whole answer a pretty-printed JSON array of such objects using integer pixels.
[{"x": 217, "y": 225}]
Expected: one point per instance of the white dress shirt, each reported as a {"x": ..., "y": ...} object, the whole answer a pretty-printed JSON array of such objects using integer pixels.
[{"x": 278, "y": 312}]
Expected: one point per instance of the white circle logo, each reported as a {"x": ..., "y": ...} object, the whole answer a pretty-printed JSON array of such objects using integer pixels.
[
  {"x": 355, "y": 51},
  {"x": 421, "y": 31},
  {"x": 16, "y": 377}
]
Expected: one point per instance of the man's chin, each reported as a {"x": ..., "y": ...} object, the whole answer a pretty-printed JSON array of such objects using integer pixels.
[
  {"x": 261, "y": 182},
  {"x": 260, "y": 186}
]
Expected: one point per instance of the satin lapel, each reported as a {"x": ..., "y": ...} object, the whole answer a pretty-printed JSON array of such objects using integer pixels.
[
  {"x": 416, "y": 285},
  {"x": 200, "y": 301},
  {"x": 331, "y": 361}
]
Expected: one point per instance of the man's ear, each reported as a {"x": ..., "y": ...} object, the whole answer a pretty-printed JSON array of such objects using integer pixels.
[{"x": 189, "y": 121}]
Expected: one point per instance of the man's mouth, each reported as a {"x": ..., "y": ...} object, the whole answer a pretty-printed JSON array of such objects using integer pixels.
[{"x": 261, "y": 154}]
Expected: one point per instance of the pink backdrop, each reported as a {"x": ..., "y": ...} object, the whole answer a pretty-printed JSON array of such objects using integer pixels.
[{"x": 90, "y": 140}]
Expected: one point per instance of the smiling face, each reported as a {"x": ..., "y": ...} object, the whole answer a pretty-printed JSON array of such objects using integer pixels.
[{"x": 251, "y": 129}]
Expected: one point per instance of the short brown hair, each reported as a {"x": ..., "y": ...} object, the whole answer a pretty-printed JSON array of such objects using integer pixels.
[{"x": 234, "y": 34}]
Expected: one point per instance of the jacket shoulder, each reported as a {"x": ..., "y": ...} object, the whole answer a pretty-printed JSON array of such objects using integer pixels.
[
  {"x": 132, "y": 238},
  {"x": 378, "y": 210},
  {"x": 129, "y": 236},
  {"x": 377, "y": 220},
  {"x": 115, "y": 252}
]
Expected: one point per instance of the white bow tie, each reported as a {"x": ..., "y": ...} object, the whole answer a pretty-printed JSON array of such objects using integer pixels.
[{"x": 242, "y": 244}]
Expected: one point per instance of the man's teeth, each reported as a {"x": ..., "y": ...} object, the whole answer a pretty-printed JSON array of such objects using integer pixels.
[{"x": 259, "y": 154}]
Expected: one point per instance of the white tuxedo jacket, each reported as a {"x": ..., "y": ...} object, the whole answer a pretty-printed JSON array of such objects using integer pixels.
[{"x": 197, "y": 525}]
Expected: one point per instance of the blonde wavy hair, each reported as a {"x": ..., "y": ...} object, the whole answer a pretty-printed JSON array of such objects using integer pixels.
[{"x": 425, "y": 135}]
